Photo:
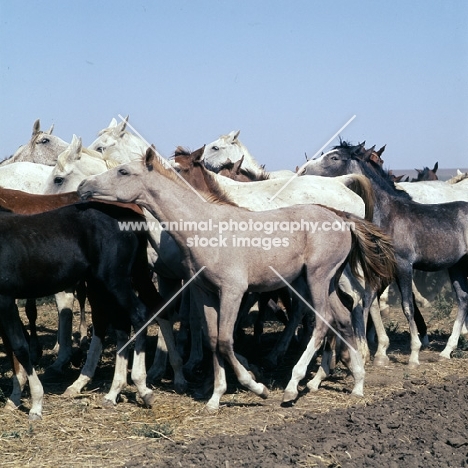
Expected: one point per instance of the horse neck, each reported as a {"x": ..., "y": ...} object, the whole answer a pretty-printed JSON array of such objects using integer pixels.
[
  {"x": 386, "y": 195},
  {"x": 250, "y": 163},
  {"x": 168, "y": 200}
]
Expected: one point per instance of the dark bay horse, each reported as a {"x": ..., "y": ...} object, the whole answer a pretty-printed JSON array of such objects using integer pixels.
[
  {"x": 45, "y": 253},
  {"x": 20, "y": 202},
  {"x": 425, "y": 237},
  {"x": 426, "y": 174}
]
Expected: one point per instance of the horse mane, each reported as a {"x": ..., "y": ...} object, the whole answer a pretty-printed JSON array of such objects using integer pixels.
[
  {"x": 458, "y": 178},
  {"x": 63, "y": 157},
  {"x": 262, "y": 175},
  {"x": 373, "y": 171},
  {"x": 215, "y": 194}
]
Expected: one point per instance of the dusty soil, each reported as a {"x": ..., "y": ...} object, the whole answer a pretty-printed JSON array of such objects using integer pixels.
[{"x": 407, "y": 417}]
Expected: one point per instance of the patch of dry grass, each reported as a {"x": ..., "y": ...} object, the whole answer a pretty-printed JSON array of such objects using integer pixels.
[{"x": 80, "y": 432}]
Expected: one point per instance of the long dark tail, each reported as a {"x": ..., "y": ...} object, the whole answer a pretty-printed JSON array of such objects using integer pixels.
[
  {"x": 372, "y": 250},
  {"x": 361, "y": 185}
]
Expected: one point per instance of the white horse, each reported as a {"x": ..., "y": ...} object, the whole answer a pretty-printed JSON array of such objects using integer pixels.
[
  {"x": 126, "y": 145},
  {"x": 43, "y": 148},
  {"x": 229, "y": 147},
  {"x": 26, "y": 176}
]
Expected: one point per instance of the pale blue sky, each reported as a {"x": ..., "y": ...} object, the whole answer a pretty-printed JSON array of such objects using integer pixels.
[{"x": 288, "y": 74}]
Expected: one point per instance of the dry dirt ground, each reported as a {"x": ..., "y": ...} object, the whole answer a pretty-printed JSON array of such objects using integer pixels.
[{"x": 407, "y": 417}]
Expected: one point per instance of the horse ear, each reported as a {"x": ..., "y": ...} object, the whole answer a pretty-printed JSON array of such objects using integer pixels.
[
  {"x": 367, "y": 154},
  {"x": 381, "y": 150},
  {"x": 120, "y": 128},
  {"x": 436, "y": 166},
  {"x": 149, "y": 157},
  {"x": 113, "y": 123},
  {"x": 70, "y": 154},
  {"x": 238, "y": 164},
  {"x": 76, "y": 145},
  {"x": 419, "y": 171},
  {"x": 198, "y": 154},
  {"x": 51, "y": 129},
  {"x": 36, "y": 127},
  {"x": 233, "y": 136}
]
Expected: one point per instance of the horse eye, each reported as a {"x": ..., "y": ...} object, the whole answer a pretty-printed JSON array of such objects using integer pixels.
[
  {"x": 216, "y": 148},
  {"x": 100, "y": 149},
  {"x": 334, "y": 158},
  {"x": 123, "y": 172},
  {"x": 58, "y": 180},
  {"x": 44, "y": 140}
]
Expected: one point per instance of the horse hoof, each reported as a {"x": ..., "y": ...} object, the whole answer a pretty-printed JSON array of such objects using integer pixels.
[
  {"x": 443, "y": 358},
  {"x": 34, "y": 417},
  {"x": 10, "y": 406},
  {"x": 265, "y": 393},
  {"x": 312, "y": 386},
  {"x": 381, "y": 361},
  {"x": 413, "y": 365},
  {"x": 211, "y": 409},
  {"x": 289, "y": 398},
  {"x": 70, "y": 392},
  {"x": 109, "y": 404},
  {"x": 149, "y": 399},
  {"x": 357, "y": 395},
  {"x": 180, "y": 387}
]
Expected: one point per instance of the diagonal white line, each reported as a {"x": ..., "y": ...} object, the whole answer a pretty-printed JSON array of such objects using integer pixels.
[
  {"x": 316, "y": 154},
  {"x": 161, "y": 309},
  {"x": 329, "y": 325},
  {"x": 165, "y": 161}
]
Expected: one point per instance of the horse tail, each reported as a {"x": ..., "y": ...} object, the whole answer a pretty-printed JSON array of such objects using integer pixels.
[
  {"x": 372, "y": 250},
  {"x": 362, "y": 186}
]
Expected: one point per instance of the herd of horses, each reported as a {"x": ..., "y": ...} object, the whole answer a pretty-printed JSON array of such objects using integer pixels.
[{"x": 118, "y": 224}]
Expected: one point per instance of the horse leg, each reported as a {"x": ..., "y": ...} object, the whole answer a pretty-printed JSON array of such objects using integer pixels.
[
  {"x": 404, "y": 276},
  {"x": 35, "y": 347},
  {"x": 318, "y": 294},
  {"x": 100, "y": 323},
  {"x": 281, "y": 346},
  {"x": 153, "y": 302},
  {"x": 65, "y": 300},
  {"x": 168, "y": 288},
  {"x": 196, "y": 334},
  {"x": 325, "y": 365},
  {"x": 347, "y": 335},
  {"x": 229, "y": 308},
  {"x": 87, "y": 373},
  {"x": 420, "y": 322},
  {"x": 19, "y": 374},
  {"x": 80, "y": 292},
  {"x": 350, "y": 286},
  {"x": 180, "y": 384},
  {"x": 460, "y": 286},
  {"x": 119, "y": 381},
  {"x": 13, "y": 330},
  {"x": 126, "y": 300},
  {"x": 211, "y": 307}
]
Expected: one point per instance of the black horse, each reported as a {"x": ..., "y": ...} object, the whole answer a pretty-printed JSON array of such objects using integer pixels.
[
  {"x": 46, "y": 253},
  {"x": 425, "y": 237}
]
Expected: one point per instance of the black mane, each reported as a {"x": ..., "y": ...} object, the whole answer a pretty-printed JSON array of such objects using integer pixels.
[{"x": 373, "y": 171}]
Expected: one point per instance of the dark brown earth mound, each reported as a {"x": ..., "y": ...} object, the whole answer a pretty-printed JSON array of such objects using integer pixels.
[{"x": 423, "y": 428}]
